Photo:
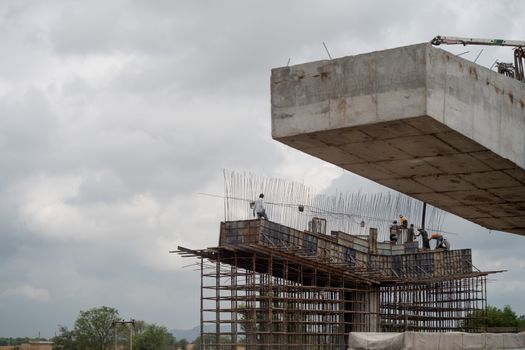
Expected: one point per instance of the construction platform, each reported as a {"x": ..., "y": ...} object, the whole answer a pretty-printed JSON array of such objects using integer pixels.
[
  {"x": 274, "y": 287},
  {"x": 416, "y": 119}
]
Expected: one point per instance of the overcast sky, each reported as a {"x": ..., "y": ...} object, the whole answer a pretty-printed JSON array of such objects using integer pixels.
[{"x": 114, "y": 115}]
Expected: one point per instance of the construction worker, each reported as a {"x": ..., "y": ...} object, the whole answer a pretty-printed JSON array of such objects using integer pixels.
[
  {"x": 445, "y": 244},
  {"x": 411, "y": 234},
  {"x": 424, "y": 238},
  {"x": 441, "y": 243},
  {"x": 403, "y": 221},
  {"x": 394, "y": 231},
  {"x": 259, "y": 208}
]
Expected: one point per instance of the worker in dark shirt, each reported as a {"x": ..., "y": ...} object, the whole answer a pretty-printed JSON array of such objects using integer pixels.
[
  {"x": 424, "y": 238},
  {"x": 411, "y": 234},
  {"x": 394, "y": 230}
]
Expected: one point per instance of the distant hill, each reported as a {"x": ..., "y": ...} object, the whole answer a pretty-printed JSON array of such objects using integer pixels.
[
  {"x": 191, "y": 334},
  {"x": 188, "y": 334}
]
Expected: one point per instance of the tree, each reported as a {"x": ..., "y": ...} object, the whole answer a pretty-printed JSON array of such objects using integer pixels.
[
  {"x": 154, "y": 337},
  {"x": 509, "y": 317},
  {"x": 94, "y": 328},
  {"x": 139, "y": 326},
  {"x": 494, "y": 317},
  {"x": 124, "y": 332},
  {"x": 182, "y": 344},
  {"x": 65, "y": 340}
]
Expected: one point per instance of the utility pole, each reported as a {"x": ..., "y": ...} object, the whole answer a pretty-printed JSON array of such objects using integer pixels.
[{"x": 131, "y": 322}]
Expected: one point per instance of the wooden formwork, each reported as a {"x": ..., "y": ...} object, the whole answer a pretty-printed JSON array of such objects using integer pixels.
[{"x": 396, "y": 261}]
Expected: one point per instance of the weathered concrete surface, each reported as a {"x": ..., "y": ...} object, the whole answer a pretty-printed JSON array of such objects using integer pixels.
[{"x": 416, "y": 119}]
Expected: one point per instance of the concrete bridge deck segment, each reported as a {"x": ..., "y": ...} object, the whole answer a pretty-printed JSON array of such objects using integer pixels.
[{"x": 416, "y": 119}]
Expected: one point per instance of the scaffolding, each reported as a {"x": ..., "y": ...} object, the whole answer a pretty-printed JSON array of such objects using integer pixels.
[{"x": 268, "y": 286}]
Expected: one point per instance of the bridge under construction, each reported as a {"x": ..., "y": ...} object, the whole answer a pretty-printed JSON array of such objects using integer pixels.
[
  {"x": 433, "y": 126},
  {"x": 268, "y": 286},
  {"x": 305, "y": 283}
]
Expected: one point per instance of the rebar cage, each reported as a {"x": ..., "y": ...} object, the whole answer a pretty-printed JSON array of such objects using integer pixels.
[
  {"x": 260, "y": 302},
  {"x": 441, "y": 306}
]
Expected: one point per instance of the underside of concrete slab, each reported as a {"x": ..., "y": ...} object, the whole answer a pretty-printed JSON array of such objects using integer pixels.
[{"x": 415, "y": 119}]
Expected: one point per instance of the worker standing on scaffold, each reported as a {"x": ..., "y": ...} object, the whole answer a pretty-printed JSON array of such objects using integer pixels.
[
  {"x": 403, "y": 221},
  {"x": 403, "y": 226},
  {"x": 259, "y": 208},
  {"x": 424, "y": 238},
  {"x": 411, "y": 234},
  {"x": 394, "y": 232}
]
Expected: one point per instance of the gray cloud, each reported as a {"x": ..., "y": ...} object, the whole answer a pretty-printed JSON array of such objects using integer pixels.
[{"x": 113, "y": 116}]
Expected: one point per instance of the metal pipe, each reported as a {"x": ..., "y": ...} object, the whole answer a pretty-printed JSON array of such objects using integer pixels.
[{"x": 423, "y": 216}]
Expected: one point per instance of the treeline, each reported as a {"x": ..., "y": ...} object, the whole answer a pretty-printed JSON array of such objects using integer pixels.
[
  {"x": 18, "y": 341},
  {"x": 100, "y": 328},
  {"x": 494, "y": 317}
]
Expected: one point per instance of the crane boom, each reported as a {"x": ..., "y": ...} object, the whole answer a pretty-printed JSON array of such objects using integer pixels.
[
  {"x": 451, "y": 40},
  {"x": 515, "y": 71}
]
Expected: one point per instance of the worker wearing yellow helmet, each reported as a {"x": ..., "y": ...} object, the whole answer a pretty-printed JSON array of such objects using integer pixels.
[{"x": 403, "y": 221}]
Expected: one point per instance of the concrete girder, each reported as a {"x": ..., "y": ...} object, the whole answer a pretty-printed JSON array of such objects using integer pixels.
[{"x": 416, "y": 119}]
